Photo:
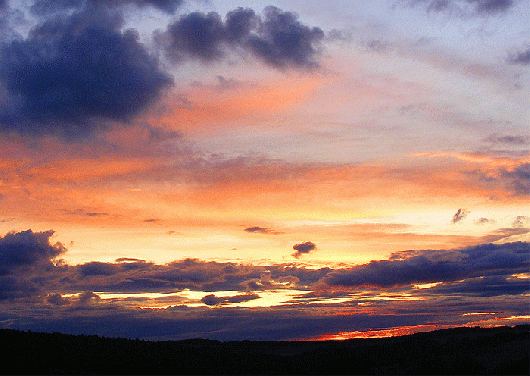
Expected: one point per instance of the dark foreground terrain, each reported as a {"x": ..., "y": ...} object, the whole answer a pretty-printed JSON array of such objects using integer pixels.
[{"x": 501, "y": 350}]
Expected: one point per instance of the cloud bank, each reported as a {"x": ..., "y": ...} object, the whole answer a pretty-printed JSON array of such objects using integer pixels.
[
  {"x": 410, "y": 267},
  {"x": 39, "y": 292}
]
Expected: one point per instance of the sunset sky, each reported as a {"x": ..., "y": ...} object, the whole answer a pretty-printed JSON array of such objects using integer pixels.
[{"x": 273, "y": 170}]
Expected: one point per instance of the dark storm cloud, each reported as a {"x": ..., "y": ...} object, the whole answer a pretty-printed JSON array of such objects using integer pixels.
[
  {"x": 520, "y": 57},
  {"x": 262, "y": 230},
  {"x": 211, "y": 299},
  {"x": 98, "y": 268},
  {"x": 410, "y": 267},
  {"x": 459, "y": 215},
  {"x": 283, "y": 41},
  {"x": 27, "y": 248},
  {"x": 197, "y": 35},
  {"x": 72, "y": 70},
  {"x": 303, "y": 248},
  {"x": 46, "y": 7},
  {"x": 24, "y": 258},
  {"x": 239, "y": 24},
  {"x": 78, "y": 71},
  {"x": 278, "y": 39},
  {"x": 131, "y": 275}
]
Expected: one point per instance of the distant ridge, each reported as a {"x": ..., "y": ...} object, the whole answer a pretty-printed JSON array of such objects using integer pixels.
[{"x": 500, "y": 350}]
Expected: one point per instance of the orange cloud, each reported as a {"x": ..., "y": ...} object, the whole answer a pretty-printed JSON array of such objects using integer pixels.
[{"x": 206, "y": 108}]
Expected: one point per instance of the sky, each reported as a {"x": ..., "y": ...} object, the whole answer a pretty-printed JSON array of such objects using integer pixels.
[{"x": 279, "y": 170}]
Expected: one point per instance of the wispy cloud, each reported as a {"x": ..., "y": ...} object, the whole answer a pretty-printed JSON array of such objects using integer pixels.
[
  {"x": 521, "y": 57},
  {"x": 466, "y": 7},
  {"x": 460, "y": 215},
  {"x": 262, "y": 230}
]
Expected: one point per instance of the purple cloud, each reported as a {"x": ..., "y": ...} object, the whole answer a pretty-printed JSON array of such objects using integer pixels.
[
  {"x": 409, "y": 267},
  {"x": 303, "y": 248}
]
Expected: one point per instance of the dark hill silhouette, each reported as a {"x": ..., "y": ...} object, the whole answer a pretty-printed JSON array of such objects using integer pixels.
[{"x": 502, "y": 350}]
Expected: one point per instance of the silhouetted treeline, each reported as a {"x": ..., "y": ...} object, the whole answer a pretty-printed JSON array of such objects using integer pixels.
[{"x": 501, "y": 350}]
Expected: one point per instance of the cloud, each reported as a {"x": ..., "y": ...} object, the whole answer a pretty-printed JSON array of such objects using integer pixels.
[
  {"x": 197, "y": 35},
  {"x": 10, "y": 18},
  {"x": 262, "y": 230},
  {"x": 47, "y": 7},
  {"x": 504, "y": 176},
  {"x": 73, "y": 70},
  {"x": 518, "y": 179},
  {"x": 302, "y": 248},
  {"x": 521, "y": 221},
  {"x": 376, "y": 45},
  {"x": 283, "y": 41},
  {"x": 27, "y": 248},
  {"x": 484, "y": 287},
  {"x": 470, "y": 276},
  {"x": 410, "y": 267},
  {"x": 278, "y": 39},
  {"x": 82, "y": 212},
  {"x": 465, "y": 7},
  {"x": 25, "y": 257},
  {"x": 460, "y": 215},
  {"x": 98, "y": 268},
  {"x": 211, "y": 299},
  {"x": 96, "y": 214},
  {"x": 339, "y": 35},
  {"x": 57, "y": 300},
  {"x": 492, "y": 6},
  {"x": 87, "y": 298},
  {"x": 483, "y": 220},
  {"x": 508, "y": 140},
  {"x": 505, "y": 233},
  {"x": 520, "y": 57},
  {"x": 151, "y": 220},
  {"x": 132, "y": 275}
]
